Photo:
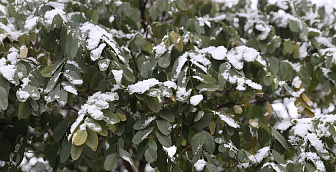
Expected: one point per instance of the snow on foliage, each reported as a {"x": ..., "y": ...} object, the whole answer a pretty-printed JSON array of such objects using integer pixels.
[{"x": 177, "y": 84}]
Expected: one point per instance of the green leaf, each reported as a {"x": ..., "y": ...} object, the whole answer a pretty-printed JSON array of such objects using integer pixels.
[
  {"x": 76, "y": 151},
  {"x": 65, "y": 152},
  {"x": 280, "y": 138},
  {"x": 164, "y": 140},
  {"x": 209, "y": 167},
  {"x": 151, "y": 152},
  {"x": 181, "y": 4},
  {"x": 274, "y": 65},
  {"x": 141, "y": 135},
  {"x": 289, "y": 46},
  {"x": 69, "y": 39},
  {"x": 284, "y": 70},
  {"x": 201, "y": 139},
  {"x": 63, "y": 38},
  {"x": 52, "y": 83},
  {"x": 110, "y": 162},
  {"x": 164, "y": 61},
  {"x": 296, "y": 53},
  {"x": 3, "y": 99},
  {"x": 57, "y": 22},
  {"x": 73, "y": 78},
  {"x": 46, "y": 72},
  {"x": 80, "y": 137},
  {"x": 127, "y": 74},
  {"x": 92, "y": 140},
  {"x": 206, "y": 78},
  {"x": 164, "y": 126},
  {"x": 126, "y": 156},
  {"x": 278, "y": 158},
  {"x": 199, "y": 115},
  {"x": 95, "y": 16},
  {"x": 154, "y": 104},
  {"x": 167, "y": 115},
  {"x": 61, "y": 97},
  {"x": 207, "y": 87},
  {"x": 293, "y": 25},
  {"x": 209, "y": 142},
  {"x": 60, "y": 130},
  {"x": 74, "y": 48},
  {"x": 332, "y": 130},
  {"x": 143, "y": 122},
  {"x": 150, "y": 155},
  {"x": 25, "y": 110}
]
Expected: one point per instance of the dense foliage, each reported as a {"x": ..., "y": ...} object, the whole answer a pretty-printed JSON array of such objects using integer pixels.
[{"x": 181, "y": 85}]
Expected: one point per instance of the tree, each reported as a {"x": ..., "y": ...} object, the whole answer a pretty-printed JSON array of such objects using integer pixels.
[{"x": 181, "y": 85}]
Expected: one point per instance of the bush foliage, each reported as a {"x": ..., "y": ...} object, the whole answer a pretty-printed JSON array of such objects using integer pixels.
[{"x": 181, "y": 85}]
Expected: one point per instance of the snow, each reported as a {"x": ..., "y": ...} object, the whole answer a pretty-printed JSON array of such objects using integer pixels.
[
  {"x": 23, "y": 95},
  {"x": 13, "y": 55},
  {"x": 127, "y": 159},
  {"x": 273, "y": 165},
  {"x": 297, "y": 82},
  {"x": 8, "y": 72},
  {"x": 160, "y": 50},
  {"x": 313, "y": 157},
  {"x": 96, "y": 53},
  {"x": 93, "y": 107},
  {"x": 240, "y": 81},
  {"x": 259, "y": 156},
  {"x": 12, "y": 33},
  {"x": 217, "y": 53},
  {"x": 181, "y": 61},
  {"x": 170, "y": 84},
  {"x": 148, "y": 121},
  {"x": 117, "y": 76},
  {"x": 71, "y": 79},
  {"x": 182, "y": 94},
  {"x": 31, "y": 22},
  {"x": 229, "y": 121},
  {"x": 49, "y": 15},
  {"x": 73, "y": 63},
  {"x": 111, "y": 19},
  {"x": 237, "y": 55},
  {"x": 281, "y": 18},
  {"x": 170, "y": 150},
  {"x": 70, "y": 89},
  {"x": 283, "y": 125},
  {"x": 104, "y": 65},
  {"x": 143, "y": 86},
  {"x": 95, "y": 33},
  {"x": 196, "y": 99},
  {"x": 200, "y": 164}
]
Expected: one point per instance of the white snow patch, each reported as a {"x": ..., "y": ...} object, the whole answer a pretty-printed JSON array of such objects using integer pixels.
[
  {"x": 196, "y": 99},
  {"x": 200, "y": 164}
]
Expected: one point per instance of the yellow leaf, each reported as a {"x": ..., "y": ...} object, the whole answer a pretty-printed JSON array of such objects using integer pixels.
[
  {"x": 237, "y": 109},
  {"x": 122, "y": 116},
  {"x": 269, "y": 109},
  {"x": 113, "y": 128},
  {"x": 184, "y": 142},
  {"x": 308, "y": 113},
  {"x": 306, "y": 99},
  {"x": 212, "y": 127},
  {"x": 177, "y": 40},
  {"x": 80, "y": 137},
  {"x": 23, "y": 52},
  {"x": 253, "y": 123}
]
